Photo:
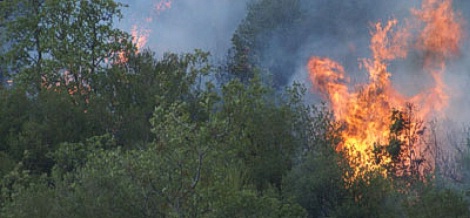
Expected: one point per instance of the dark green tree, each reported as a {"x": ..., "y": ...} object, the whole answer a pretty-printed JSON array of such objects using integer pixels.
[
  {"x": 64, "y": 42},
  {"x": 194, "y": 167},
  {"x": 256, "y": 35}
]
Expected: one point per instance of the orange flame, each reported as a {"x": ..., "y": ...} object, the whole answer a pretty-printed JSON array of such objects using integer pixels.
[
  {"x": 139, "y": 37},
  {"x": 366, "y": 111},
  {"x": 140, "y": 32}
]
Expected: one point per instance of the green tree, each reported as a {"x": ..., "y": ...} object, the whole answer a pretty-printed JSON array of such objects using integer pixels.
[
  {"x": 257, "y": 34},
  {"x": 33, "y": 127},
  {"x": 193, "y": 168},
  {"x": 261, "y": 130},
  {"x": 56, "y": 42},
  {"x": 22, "y": 24},
  {"x": 62, "y": 41},
  {"x": 432, "y": 202}
]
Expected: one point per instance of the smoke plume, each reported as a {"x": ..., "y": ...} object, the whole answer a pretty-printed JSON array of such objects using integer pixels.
[{"x": 184, "y": 25}]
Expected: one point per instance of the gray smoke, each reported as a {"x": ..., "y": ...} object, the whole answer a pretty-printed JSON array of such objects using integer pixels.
[
  {"x": 342, "y": 33},
  {"x": 336, "y": 29},
  {"x": 187, "y": 25},
  {"x": 340, "y": 30}
]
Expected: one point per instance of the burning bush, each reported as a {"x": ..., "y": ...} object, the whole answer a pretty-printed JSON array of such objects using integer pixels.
[{"x": 435, "y": 33}]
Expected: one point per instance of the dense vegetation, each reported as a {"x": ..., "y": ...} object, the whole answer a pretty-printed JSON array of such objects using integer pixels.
[{"x": 83, "y": 134}]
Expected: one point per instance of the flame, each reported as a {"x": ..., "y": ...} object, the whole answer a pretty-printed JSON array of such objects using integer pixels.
[
  {"x": 141, "y": 31},
  {"x": 139, "y": 37},
  {"x": 140, "y": 34},
  {"x": 366, "y": 111}
]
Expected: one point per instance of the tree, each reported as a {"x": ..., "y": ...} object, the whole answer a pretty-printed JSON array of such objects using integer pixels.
[
  {"x": 263, "y": 40},
  {"x": 192, "y": 168},
  {"x": 131, "y": 93},
  {"x": 23, "y": 32},
  {"x": 261, "y": 130},
  {"x": 433, "y": 202},
  {"x": 65, "y": 42}
]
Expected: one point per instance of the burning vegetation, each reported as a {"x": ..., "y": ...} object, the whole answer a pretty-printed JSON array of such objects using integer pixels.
[
  {"x": 383, "y": 128},
  {"x": 97, "y": 124},
  {"x": 140, "y": 31}
]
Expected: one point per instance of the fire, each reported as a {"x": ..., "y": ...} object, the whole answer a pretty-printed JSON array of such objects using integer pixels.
[
  {"x": 366, "y": 111},
  {"x": 141, "y": 31},
  {"x": 139, "y": 37},
  {"x": 140, "y": 34}
]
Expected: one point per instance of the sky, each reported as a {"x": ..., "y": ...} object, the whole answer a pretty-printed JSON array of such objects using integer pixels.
[{"x": 184, "y": 25}]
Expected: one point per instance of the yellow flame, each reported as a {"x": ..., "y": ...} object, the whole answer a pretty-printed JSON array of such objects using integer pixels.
[{"x": 366, "y": 111}]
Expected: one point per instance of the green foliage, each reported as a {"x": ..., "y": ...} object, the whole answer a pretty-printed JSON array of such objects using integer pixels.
[
  {"x": 61, "y": 41},
  {"x": 261, "y": 130},
  {"x": 131, "y": 93},
  {"x": 6, "y": 164},
  {"x": 254, "y": 35},
  {"x": 192, "y": 168},
  {"x": 142, "y": 184},
  {"x": 35, "y": 126},
  {"x": 71, "y": 156},
  {"x": 157, "y": 138},
  {"x": 37, "y": 198},
  {"x": 371, "y": 196},
  {"x": 437, "y": 203},
  {"x": 317, "y": 185},
  {"x": 247, "y": 203},
  {"x": 14, "y": 112}
]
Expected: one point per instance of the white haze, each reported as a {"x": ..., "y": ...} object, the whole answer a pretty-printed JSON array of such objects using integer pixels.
[
  {"x": 187, "y": 25},
  {"x": 210, "y": 24},
  {"x": 336, "y": 29},
  {"x": 352, "y": 44}
]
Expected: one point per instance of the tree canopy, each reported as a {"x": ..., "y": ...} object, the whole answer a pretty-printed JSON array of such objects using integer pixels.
[{"x": 84, "y": 134}]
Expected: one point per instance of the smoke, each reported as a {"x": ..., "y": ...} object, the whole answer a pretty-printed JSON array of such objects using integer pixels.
[
  {"x": 184, "y": 25},
  {"x": 341, "y": 31},
  {"x": 346, "y": 42},
  {"x": 336, "y": 29},
  {"x": 458, "y": 77}
]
